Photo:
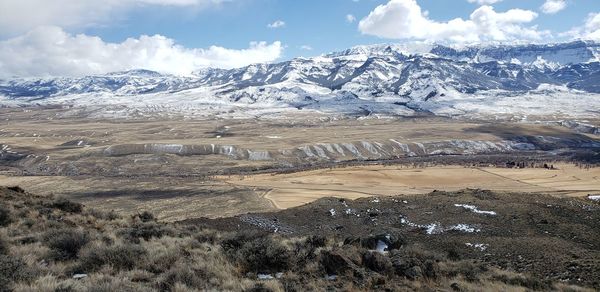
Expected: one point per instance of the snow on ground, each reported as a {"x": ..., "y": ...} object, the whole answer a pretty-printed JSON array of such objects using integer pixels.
[
  {"x": 437, "y": 228},
  {"x": 475, "y": 210},
  {"x": 381, "y": 247},
  {"x": 480, "y": 246},
  {"x": 594, "y": 197}
]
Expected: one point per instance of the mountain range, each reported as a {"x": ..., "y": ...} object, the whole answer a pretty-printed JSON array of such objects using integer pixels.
[{"x": 548, "y": 79}]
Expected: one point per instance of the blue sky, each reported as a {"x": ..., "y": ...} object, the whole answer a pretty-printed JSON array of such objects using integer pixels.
[{"x": 321, "y": 25}]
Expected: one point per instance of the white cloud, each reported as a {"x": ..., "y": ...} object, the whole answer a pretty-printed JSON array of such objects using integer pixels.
[
  {"x": 553, "y": 6},
  {"x": 404, "y": 19},
  {"x": 50, "y": 51},
  {"x": 277, "y": 24},
  {"x": 20, "y": 16},
  {"x": 350, "y": 18},
  {"x": 306, "y": 48},
  {"x": 484, "y": 2},
  {"x": 589, "y": 31},
  {"x": 592, "y": 27}
]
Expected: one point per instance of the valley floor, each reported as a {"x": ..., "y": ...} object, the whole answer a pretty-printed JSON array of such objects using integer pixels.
[
  {"x": 296, "y": 189},
  {"x": 180, "y": 167}
]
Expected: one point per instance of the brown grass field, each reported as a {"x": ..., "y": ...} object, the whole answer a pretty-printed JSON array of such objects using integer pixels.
[
  {"x": 291, "y": 190},
  {"x": 177, "y": 187}
]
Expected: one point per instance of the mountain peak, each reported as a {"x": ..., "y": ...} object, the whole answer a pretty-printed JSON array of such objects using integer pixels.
[{"x": 418, "y": 76}]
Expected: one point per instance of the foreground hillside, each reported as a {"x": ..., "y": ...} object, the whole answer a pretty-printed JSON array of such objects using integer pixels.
[{"x": 463, "y": 241}]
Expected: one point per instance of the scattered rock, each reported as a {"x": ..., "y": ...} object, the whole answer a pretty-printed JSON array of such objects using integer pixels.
[
  {"x": 455, "y": 287},
  {"x": 336, "y": 263},
  {"x": 391, "y": 240}
]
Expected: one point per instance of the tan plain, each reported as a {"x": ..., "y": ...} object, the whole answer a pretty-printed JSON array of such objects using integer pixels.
[{"x": 291, "y": 190}]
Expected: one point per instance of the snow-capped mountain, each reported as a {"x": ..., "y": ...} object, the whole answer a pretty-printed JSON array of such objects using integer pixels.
[{"x": 390, "y": 78}]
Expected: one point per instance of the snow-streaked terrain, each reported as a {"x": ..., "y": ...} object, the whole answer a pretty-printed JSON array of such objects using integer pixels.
[{"x": 558, "y": 80}]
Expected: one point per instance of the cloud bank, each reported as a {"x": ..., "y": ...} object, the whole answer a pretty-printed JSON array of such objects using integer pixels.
[
  {"x": 20, "y": 16},
  {"x": 50, "y": 51},
  {"x": 590, "y": 30},
  {"x": 404, "y": 19}
]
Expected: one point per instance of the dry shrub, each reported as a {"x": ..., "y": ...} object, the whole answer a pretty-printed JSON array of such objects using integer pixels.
[
  {"x": 161, "y": 256},
  {"x": 49, "y": 283},
  {"x": 65, "y": 244},
  {"x": 5, "y": 216},
  {"x": 3, "y": 245},
  {"x": 145, "y": 216},
  {"x": 145, "y": 231},
  {"x": 185, "y": 275},
  {"x": 104, "y": 283},
  {"x": 103, "y": 215},
  {"x": 268, "y": 286},
  {"x": 255, "y": 253},
  {"x": 118, "y": 257},
  {"x": 524, "y": 281},
  {"x": 67, "y": 205},
  {"x": 13, "y": 270},
  {"x": 414, "y": 263},
  {"x": 377, "y": 262},
  {"x": 207, "y": 236}
]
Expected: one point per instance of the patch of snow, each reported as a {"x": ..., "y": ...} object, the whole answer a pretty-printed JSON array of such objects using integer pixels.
[
  {"x": 433, "y": 228},
  {"x": 480, "y": 246},
  {"x": 265, "y": 277},
  {"x": 594, "y": 197},
  {"x": 464, "y": 228},
  {"x": 79, "y": 276},
  {"x": 475, "y": 210},
  {"x": 437, "y": 228},
  {"x": 350, "y": 211},
  {"x": 332, "y": 212},
  {"x": 381, "y": 247}
]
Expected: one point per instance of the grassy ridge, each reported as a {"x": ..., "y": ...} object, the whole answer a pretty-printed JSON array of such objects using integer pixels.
[{"x": 53, "y": 244}]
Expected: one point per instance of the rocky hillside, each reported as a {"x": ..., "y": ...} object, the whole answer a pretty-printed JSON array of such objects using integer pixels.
[{"x": 439, "y": 242}]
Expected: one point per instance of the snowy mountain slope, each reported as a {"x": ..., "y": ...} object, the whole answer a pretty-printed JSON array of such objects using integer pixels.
[{"x": 395, "y": 79}]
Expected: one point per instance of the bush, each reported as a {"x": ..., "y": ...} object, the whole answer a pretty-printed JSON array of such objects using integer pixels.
[
  {"x": 120, "y": 257},
  {"x": 415, "y": 263},
  {"x": 146, "y": 231},
  {"x": 185, "y": 275},
  {"x": 526, "y": 282},
  {"x": 108, "y": 216},
  {"x": 105, "y": 283},
  {"x": 259, "y": 287},
  {"x": 237, "y": 240},
  {"x": 12, "y": 270},
  {"x": 377, "y": 262},
  {"x": 67, "y": 205},
  {"x": 257, "y": 254},
  {"x": 145, "y": 216},
  {"x": 65, "y": 244},
  {"x": 304, "y": 251},
  {"x": 3, "y": 246},
  {"x": 5, "y": 216}
]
